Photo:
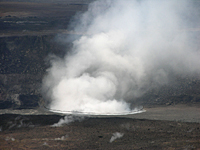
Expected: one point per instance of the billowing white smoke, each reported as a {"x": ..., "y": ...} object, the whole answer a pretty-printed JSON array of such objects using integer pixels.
[
  {"x": 115, "y": 136},
  {"x": 127, "y": 48},
  {"x": 67, "y": 120}
]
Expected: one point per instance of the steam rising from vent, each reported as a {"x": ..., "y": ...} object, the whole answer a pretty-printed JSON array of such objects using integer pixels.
[
  {"x": 67, "y": 120},
  {"x": 127, "y": 48},
  {"x": 116, "y": 136}
]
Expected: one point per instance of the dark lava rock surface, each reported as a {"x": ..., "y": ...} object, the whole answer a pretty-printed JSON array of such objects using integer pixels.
[{"x": 35, "y": 132}]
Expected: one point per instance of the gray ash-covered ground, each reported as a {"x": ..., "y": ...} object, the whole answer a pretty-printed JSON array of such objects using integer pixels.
[
  {"x": 28, "y": 34},
  {"x": 96, "y": 133}
]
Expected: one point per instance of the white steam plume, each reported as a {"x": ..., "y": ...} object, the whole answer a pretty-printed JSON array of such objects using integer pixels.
[
  {"x": 115, "y": 136},
  {"x": 67, "y": 120},
  {"x": 128, "y": 47}
]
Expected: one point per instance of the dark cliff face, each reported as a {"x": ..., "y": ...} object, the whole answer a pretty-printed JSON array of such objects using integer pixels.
[
  {"x": 28, "y": 34},
  {"x": 19, "y": 55},
  {"x": 26, "y": 54},
  {"x": 23, "y": 65}
]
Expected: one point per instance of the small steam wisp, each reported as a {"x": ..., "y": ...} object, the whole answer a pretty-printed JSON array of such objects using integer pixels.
[{"x": 129, "y": 47}]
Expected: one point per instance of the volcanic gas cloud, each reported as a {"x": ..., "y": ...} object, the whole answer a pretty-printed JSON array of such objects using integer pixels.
[{"x": 127, "y": 48}]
